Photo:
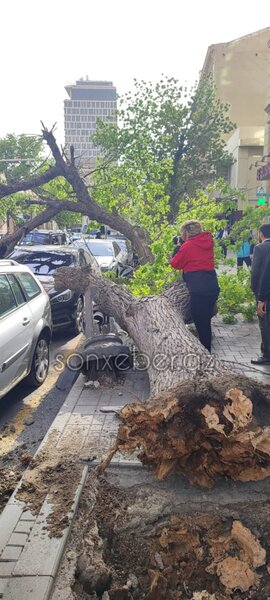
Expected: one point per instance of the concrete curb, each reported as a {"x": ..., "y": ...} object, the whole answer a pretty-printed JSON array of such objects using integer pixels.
[{"x": 29, "y": 558}]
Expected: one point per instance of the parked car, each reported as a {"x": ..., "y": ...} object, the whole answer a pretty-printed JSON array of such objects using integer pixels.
[
  {"x": 45, "y": 237},
  {"x": 68, "y": 306},
  {"x": 108, "y": 254},
  {"x": 75, "y": 236},
  {"x": 126, "y": 248},
  {"x": 25, "y": 327}
]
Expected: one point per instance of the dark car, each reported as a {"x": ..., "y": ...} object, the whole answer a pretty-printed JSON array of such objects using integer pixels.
[
  {"x": 67, "y": 306},
  {"x": 45, "y": 237}
]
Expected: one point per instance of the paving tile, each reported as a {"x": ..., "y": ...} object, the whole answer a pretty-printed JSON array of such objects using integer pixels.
[
  {"x": 89, "y": 395},
  {"x": 28, "y": 588},
  {"x": 27, "y": 516},
  {"x": 42, "y": 554},
  {"x": 6, "y": 568},
  {"x": 73, "y": 435},
  {"x": 3, "y": 584},
  {"x": 87, "y": 401},
  {"x": 18, "y": 539},
  {"x": 23, "y": 526},
  {"x": 77, "y": 419},
  {"x": 11, "y": 553},
  {"x": 84, "y": 409},
  {"x": 8, "y": 521}
]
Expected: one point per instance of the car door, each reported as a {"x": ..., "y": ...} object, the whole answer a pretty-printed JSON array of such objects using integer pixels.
[
  {"x": 119, "y": 255},
  {"x": 15, "y": 333}
]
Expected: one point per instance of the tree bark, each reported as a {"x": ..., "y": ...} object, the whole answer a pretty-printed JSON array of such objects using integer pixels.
[
  {"x": 9, "y": 241},
  {"x": 169, "y": 351},
  {"x": 201, "y": 420},
  {"x": 29, "y": 184}
]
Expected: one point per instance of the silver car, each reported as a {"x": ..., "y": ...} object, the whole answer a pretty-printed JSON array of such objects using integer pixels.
[
  {"x": 108, "y": 254},
  {"x": 25, "y": 327}
]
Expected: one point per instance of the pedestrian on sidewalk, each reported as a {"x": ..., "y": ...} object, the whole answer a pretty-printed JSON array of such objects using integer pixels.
[
  {"x": 195, "y": 258},
  {"x": 243, "y": 255},
  {"x": 259, "y": 286},
  {"x": 222, "y": 235}
]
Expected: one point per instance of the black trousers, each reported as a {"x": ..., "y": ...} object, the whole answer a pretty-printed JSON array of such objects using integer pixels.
[
  {"x": 242, "y": 259},
  {"x": 264, "y": 323},
  {"x": 202, "y": 308}
]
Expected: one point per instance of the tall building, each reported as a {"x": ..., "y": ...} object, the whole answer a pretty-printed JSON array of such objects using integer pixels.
[
  {"x": 240, "y": 70},
  {"x": 89, "y": 101}
]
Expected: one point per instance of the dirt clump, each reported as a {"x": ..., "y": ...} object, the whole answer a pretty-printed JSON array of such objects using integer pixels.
[
  {"x": 8, "y": 481},
  {"x": 53, "y": 475},
  {"x": 199, "y": 556}
]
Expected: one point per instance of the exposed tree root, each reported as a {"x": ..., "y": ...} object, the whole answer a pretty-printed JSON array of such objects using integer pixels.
[{"x": 203, "y": 429}]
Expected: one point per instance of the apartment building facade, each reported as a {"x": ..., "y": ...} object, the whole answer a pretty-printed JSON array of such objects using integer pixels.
[
  {"x": 88, "y": 102},
  {"x": 240, "y": 71}
]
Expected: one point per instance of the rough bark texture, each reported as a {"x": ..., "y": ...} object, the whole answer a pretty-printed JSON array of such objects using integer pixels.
[
  {"x": 170, "y": 352},
  {"x": 8, "y": 241},
  {"x": 201, "y": 421},
  {"x": 28, "y": 184}
]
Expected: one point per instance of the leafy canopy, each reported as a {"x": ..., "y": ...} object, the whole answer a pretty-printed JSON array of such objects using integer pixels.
[{"x": 167, "y": 144}]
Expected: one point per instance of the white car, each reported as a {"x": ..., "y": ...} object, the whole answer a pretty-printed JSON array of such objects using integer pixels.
[
  {"x": 25, "y": 327},
  {"x": 108, "y": 254}
]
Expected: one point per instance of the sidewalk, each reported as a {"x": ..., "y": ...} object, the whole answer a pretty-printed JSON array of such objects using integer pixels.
[{"x": 29, "y": 557}]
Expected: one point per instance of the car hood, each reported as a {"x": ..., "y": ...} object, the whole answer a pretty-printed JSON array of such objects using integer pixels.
[{"x": 47, "y": 281}]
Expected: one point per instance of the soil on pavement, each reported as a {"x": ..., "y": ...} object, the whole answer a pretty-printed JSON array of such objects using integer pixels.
[{"x": 123, "y": 548}]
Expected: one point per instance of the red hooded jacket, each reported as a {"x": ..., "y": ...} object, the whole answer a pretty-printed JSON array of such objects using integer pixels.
[{"x": 196, "y": 254}]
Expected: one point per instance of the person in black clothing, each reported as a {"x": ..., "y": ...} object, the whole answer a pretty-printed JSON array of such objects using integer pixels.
[
  {"x": 195, "y": 258},
  {"x": 260, "y": 280},
  {"x": 263, "y": 312},
  {"x": 177, "y": 240}
]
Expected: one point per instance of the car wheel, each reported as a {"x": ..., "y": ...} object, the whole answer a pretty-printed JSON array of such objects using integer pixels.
[
  {"x": 79, "y": 324},
  {"x": 40, "y": 362}
]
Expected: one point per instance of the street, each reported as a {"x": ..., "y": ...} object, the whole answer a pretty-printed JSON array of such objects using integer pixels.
[{"x": 26, "y": 414}]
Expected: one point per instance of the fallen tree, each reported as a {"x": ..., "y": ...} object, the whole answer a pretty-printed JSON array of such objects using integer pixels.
[{"x": 201, "y": 420}]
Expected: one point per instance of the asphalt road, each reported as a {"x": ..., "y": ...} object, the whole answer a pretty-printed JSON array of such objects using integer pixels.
[{"x": 27, "y": 413}]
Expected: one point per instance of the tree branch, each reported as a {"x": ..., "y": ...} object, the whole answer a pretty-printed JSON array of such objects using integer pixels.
[
  {"x": 95, "y": 211},
  {"x": 7, "y": 242},
  {"x": 28, "y": 184}
]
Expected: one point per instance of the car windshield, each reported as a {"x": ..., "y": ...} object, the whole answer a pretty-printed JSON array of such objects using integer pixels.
[
  {"x": 44, "y": 263},
  {"x": 100, "y": 248},
  {"x": 35, "y": 238}
]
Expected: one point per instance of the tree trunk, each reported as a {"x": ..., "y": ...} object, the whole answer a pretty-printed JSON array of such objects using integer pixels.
[
  {"x": 201, "y": 420},
  {"x": 169, "y": 351},
  {"x": 9, "y": 241}
]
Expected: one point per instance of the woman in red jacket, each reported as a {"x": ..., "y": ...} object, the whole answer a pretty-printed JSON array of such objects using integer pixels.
[{"x": 195, "y": 258}]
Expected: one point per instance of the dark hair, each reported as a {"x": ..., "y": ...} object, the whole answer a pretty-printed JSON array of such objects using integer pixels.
[{"x": 265, "y": 230}]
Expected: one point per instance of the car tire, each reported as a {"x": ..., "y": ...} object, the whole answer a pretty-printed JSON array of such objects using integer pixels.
[
  {"x": 79, "y": 323},
  {"x": 40, "y": 362}
]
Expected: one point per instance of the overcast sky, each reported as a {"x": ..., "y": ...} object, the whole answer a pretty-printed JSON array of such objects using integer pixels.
[{"x": 45, "y": 45}]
